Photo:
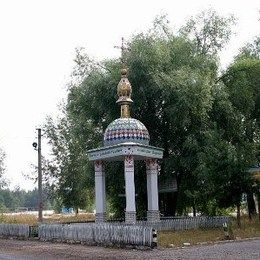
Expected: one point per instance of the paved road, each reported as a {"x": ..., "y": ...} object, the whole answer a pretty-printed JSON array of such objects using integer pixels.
[{"x": 29, "y": 250}]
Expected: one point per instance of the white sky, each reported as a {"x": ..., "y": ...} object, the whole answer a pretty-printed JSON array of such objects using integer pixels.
[{"x": 38, "y": 39}]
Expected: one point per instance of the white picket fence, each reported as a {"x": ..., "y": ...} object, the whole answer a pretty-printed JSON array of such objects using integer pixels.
[
  {"x": 140, "y": 234},
  {"x": 103, "y": 234},
  {"x": 14, "y": 230},
  {"x": 187, "y": 223}
]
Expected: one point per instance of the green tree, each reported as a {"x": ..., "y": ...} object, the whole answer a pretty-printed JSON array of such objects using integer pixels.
[
  {"x": 235, "y": 146},
  {"x": 12, "y": 200},
  {"x": 171, "y": 79},
  {"x": 188, "y": 111},
  {"x": 66, "y": 173},
  {"x": 210, "y": 31},
  {"x": 242, "y": 82},
  {"x": 2, "y": 169},
  {"x": 250, "y": 50}
]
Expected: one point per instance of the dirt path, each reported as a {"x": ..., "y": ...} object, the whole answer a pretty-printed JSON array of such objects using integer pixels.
[{"x": 26, "y": 250}]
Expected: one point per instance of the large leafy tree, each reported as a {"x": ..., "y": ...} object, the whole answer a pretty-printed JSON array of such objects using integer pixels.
[
  {"x": 242, "y": 81},
  {"x": 66, "y": 172},
  {"x": 176, "y": 96},
  {"x": 235, "y": 118}
]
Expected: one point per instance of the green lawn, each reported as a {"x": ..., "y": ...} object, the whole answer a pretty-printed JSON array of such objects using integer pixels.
[{"x": 171, "y": 238}]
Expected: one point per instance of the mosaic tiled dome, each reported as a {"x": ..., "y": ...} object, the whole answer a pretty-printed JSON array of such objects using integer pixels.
[{"x": 124, "y": 130}]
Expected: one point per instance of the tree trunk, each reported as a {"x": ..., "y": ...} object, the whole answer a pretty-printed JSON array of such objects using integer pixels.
[
  {"x": 170, "y": 199},
  {"x": 194, "y": 210},
  {"x": 238, "y": 215},
  {"x": 258, "y": 204},
  {"x": 251, "y": 204},
  {"x": 176, "y": 194},
  {"x": 175, "y": 199}
]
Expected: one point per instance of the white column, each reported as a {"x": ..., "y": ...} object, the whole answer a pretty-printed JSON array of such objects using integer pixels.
[
  {"x": 130, "y": 213},
  {"x": 152, "y": 190},
  {"x": 100, "y": 191}
]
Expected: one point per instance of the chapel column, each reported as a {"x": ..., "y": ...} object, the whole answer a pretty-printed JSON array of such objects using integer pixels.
[
  {"x": 100, "y": 192},
  {"x": 130, "y": 211},
  {"x": 153, "y": 213}
]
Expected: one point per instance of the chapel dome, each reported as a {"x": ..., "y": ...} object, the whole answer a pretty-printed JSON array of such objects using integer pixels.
[{"x": 124, "y": 130}]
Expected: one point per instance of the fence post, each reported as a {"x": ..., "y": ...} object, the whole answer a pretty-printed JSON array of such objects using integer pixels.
[
  {"x": 154, "y": 242},
  {"x": 226, "y": 233}
]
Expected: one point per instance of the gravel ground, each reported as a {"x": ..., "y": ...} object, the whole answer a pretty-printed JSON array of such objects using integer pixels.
[{"x": 26, "y": 250}]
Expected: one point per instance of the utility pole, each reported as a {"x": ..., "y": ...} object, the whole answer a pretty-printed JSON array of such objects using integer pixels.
[{"x": 40, "y": 204}]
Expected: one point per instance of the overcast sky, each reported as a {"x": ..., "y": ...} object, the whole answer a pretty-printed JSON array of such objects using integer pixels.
[{"x": 38, "y": 39}]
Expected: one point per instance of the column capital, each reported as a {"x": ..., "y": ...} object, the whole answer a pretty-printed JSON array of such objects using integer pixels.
[
  {"x": 99, "y": 166},
  {"x": 151, "y": 164},
  {"x": 129, "y": 161}
]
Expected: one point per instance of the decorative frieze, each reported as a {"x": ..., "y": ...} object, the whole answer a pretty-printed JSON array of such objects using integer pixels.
[{"x": 141, "y": 152}]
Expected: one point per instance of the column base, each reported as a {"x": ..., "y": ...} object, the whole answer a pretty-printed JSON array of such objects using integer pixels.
[
  {"x": 153, "y": 215},
  {"x": 100, "y": 217},
  {"x": 130, "y": 217}
]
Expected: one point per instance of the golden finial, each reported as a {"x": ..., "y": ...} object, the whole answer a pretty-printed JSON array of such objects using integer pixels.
[{"x": 124, "y": 88}]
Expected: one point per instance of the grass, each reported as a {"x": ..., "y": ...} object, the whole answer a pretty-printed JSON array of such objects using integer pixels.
[
  {"x": 197, "y": 236},
  {"x": 165, "y": 238},
  {"x": 18, "y": 219},
  {"x": 194, "y": 236},
  {"x": 81, "y": 217},
  {"x": 248, "y": 228},
  {"x": 55, "y": 218}
]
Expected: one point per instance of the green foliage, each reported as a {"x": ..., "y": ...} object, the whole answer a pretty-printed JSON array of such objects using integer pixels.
[
  {"x": 251, "y": 50},
  {"x": 243, "y": 83},
  {"x": 171, "y": 90},
  {"x": 210, "y": 31},
  {"x": 69, "y": 165},
  {"x": 2, "y": 168},
  {"x": 207, "y": 126},
  {"x": 12, "y": 200},
  {"x": 234, "y": 141}
]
